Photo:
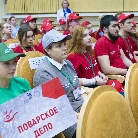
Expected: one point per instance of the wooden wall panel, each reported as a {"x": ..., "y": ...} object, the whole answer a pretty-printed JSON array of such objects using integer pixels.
[
  {"x": 96, "y": 6},
  {"x": 81, "y": 6},
  {"x": 131, "y": 5}
]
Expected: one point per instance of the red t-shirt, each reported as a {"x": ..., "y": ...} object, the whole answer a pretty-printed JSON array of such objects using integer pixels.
[
  {"x": 3, "y": 40},
  {"x": 128, "y": 46},
  {"x": 67, "y": 32},
  {"x": 96, "y": 34},
  {"x": 82, "y": 66},
  {"x": 19, "y": 49},
  {"x": 104, "y": 46}
]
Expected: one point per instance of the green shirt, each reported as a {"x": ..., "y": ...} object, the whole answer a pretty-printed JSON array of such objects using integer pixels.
[{"x": 17, "y": 87}]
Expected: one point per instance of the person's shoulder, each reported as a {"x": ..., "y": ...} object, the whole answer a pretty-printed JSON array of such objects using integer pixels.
[
  {"x": 72, "y": 55},
  {"x": 18, "y": 49},
  {"x": 45, "y": 65},
  {"x": 18, "y": 80},
  {"x": 120, "y": 40},
  {"x": 67, "y": 32},
  {"x": 69, "y": 64},
  {"x": 101, "y": 41}
]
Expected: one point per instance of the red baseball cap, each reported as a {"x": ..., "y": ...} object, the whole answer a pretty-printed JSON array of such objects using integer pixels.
[
  {"x": 73, "y": 16},
  {"x": 45, "y": 27},
  {"x": 47, "y": 20},
  {"x": 134, "y": 23},
  {"x": 29, "y": 18},
  {"x": 62, "y": 21},
  {"x": 123, "y": 16},
  {"x": 85, "y": 23}
]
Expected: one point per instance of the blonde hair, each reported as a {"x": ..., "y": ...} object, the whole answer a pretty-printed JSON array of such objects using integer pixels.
[
  {"x": 75, "y": 44},
  {"x": 2, "y": 27},
  {"x": 62, "y": 3}
]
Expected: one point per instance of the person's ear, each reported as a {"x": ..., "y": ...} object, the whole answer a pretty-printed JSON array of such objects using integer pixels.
[
  {"x": 105, "y": 30},
  {"x": 120, "y": 25}
]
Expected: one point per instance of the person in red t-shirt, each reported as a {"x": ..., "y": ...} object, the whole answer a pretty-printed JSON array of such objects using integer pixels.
[
  {"x": 26, "y": 36},
  {"x": 110, "y": 56},
  {"x": 31, "y": 22},
  {"x": 89, "y": 27},
  {"x": 72, "y": 21},
  {"x": 125, "y": 41},
  {"x": 82, "y": 57},
  {"x": 134, "y": 37}
]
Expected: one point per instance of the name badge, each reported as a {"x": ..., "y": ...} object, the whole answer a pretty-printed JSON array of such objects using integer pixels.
[{"x": 77, "y": 93}]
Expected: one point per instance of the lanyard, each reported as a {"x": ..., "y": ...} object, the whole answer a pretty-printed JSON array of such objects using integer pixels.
[
  {"x": 90, "y": 62},
  {"x": 67, "y": 76},
  {"x": 127, "y": 43}
]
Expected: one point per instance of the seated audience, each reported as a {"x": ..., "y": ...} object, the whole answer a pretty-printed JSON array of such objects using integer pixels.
[
  {"x": 109, "y": 54},
  {"x": 124, "y": 40},
  {"x": 56, "y": 65}
]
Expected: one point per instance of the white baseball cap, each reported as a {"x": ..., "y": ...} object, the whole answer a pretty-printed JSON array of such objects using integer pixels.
[{"x": 53, "y": 36}]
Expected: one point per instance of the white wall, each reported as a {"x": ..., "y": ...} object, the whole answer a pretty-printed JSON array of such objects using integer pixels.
[{"x": 2, "y": 10}]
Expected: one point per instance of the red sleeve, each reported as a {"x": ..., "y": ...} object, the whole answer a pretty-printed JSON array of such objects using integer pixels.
[
  {"x": 39, "y": 48},
  {"x": 18, "y": 49},
  {"x": 73, "y": 60},
  {"x": 67, "y": 32},
  {"x": 101, "y": 47}
]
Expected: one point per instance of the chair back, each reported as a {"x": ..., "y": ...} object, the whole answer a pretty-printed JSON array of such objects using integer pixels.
[
  {"x": 106, "y": 114},
  {"x": 23, "y": 66},
  {"x": 131, "y": 89}
]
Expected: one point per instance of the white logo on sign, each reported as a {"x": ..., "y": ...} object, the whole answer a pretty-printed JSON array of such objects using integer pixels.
[{"x": 7, "y": 50}]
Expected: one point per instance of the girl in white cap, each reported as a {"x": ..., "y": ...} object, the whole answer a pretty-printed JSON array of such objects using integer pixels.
[{"x": 55, "y": 65}]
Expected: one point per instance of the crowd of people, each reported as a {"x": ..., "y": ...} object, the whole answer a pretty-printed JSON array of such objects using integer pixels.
[{"x": 70, "y": 54}]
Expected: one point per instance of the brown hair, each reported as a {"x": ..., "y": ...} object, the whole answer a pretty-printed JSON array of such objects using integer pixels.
[
  {"x": 75, "y": 44},
  {"x": 11, "y": 18},
  {"x": 62, "y": 3},
  {"x": 35, "y": 31},
  {"x": 23, "y": 31}
]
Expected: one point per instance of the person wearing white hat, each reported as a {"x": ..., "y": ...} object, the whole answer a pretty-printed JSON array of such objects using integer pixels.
[{"x": 56, "y": 65}]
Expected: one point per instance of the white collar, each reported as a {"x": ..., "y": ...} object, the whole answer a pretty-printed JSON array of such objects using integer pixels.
[{"x": 57, "y": 64}]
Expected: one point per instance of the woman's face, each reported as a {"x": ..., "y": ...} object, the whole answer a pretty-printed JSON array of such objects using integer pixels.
[
  {"x": 13, "y": 21},
  {"x": 89, "y": 27},
  {"x": 29, "y": 40},
  {"x": 6, "y": 29},
  {"x": 58, "y": 52},
  {"x": 32, "y": 24},
  {"x": 65, "y": 4},
  {"x": 134, "y": 30},
  {"x": 7, "y": 69},
  {"x": 86, "y": 38}
]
